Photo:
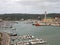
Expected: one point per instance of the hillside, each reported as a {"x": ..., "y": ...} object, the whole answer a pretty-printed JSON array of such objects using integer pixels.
[{"x": 26, "y": 16}]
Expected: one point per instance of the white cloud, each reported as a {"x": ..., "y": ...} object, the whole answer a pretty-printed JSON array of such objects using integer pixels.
[{"x": 29, "y": 6}]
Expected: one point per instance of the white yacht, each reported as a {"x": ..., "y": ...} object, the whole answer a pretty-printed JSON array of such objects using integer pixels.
[
  {"x": 37, "y": 41},
  {"x": 32, "y": 41},
  {"x": 26, "y": 37}
]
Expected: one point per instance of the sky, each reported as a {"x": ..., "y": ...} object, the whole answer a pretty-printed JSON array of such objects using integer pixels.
[{"x": 29, "y": 6}]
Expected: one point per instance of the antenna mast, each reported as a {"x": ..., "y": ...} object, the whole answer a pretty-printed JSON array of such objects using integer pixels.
[{"x": 45, "y": 14}]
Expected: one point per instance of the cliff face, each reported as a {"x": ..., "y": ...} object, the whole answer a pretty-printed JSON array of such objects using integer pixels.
[{"x": 26, "y": 16}]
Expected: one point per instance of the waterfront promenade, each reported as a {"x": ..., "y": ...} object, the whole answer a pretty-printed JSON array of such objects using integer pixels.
[{"x": 5, "y": 39}]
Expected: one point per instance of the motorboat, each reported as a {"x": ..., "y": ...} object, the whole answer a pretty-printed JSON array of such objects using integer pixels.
[
  {"x": 37, "y": 41},
  {"x": 32, "y": 41},
  {"x": 23, "y": 43},
  {"x": 13, "y": 32},
  {"x": 26, "y": 37}
]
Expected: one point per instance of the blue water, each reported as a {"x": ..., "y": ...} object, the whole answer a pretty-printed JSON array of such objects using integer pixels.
[{"x": 49, "y": 33}]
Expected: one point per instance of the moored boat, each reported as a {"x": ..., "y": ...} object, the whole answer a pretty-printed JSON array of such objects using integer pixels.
[
  {"x": 37, "y": 41},
  {"x": 13, "y": 32},
  {"x": 32, "y": 41},
  {"x": 26, "y": 37}
]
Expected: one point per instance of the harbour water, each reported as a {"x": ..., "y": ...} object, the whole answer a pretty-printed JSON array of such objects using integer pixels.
[{"x": 49, "y": 33}]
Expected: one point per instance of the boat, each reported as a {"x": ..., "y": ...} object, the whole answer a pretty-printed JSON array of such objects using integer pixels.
[
  {"x": 55, "y": 24},
  {"x": 32, "y": 42},
  {"x": 22, "y": 43},
  {"x": 29, "y": 36},
  {"x": 37, "y": 24},
  {"x": 13, "y": 32},
  {"x": 37, "y": 41},
  {"x": 40, "y": 23},
  {"x": 26, "y": 37}
]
